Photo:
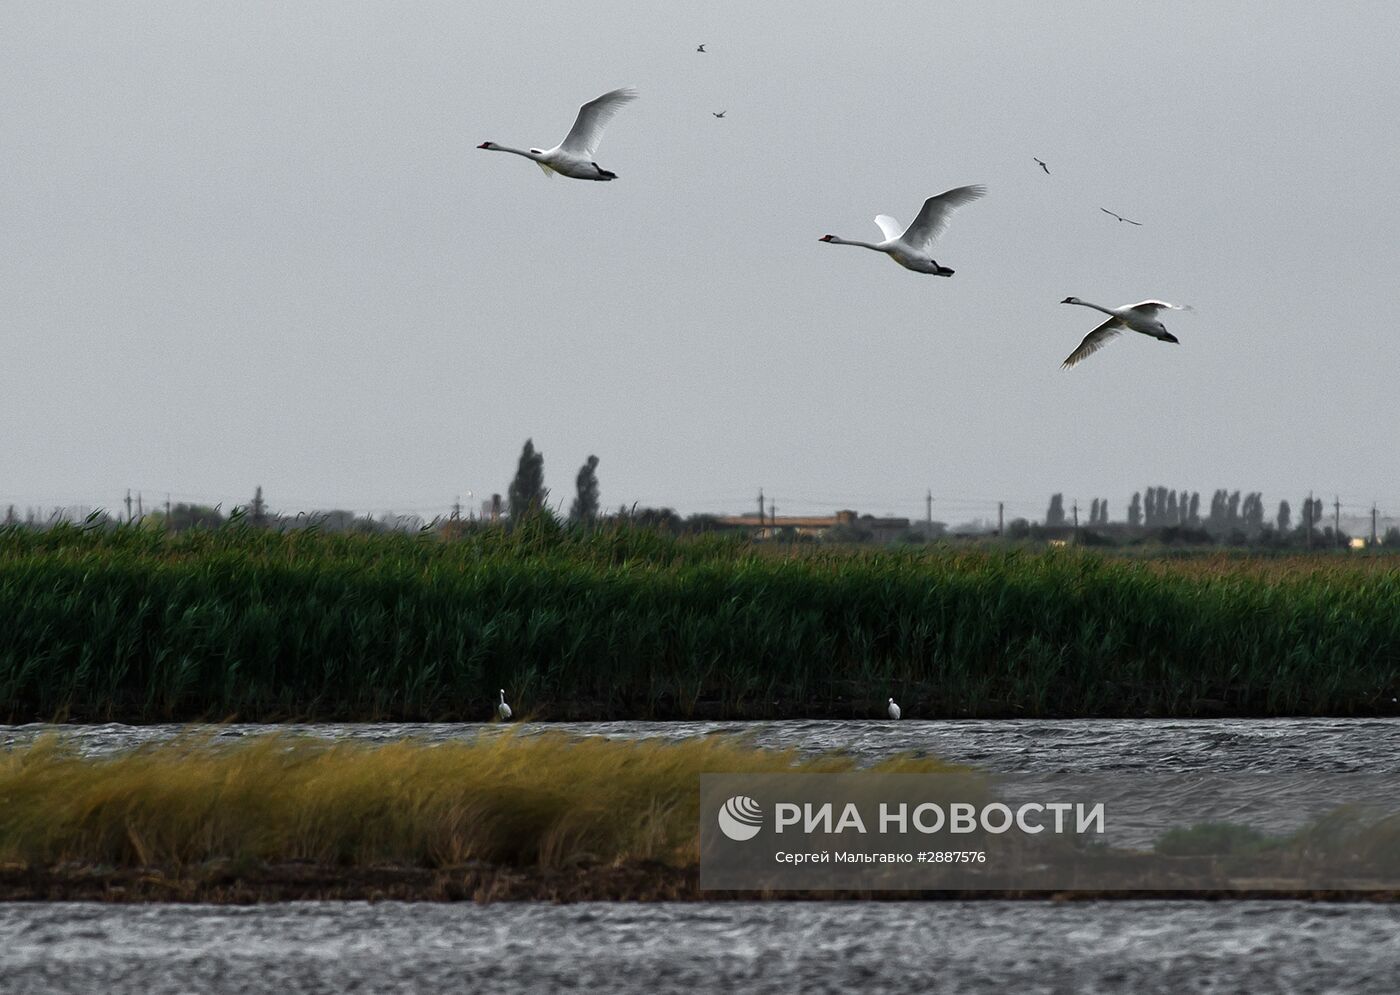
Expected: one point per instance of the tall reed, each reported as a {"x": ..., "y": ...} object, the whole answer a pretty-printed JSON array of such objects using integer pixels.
[{"x": 137, "y": 625}]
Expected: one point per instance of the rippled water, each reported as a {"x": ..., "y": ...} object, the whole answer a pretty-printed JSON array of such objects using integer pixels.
[
  {"x": 758, "y": 947},
  {"x": 777, "y": 947},
  {"x": 1001, "y": 745}
]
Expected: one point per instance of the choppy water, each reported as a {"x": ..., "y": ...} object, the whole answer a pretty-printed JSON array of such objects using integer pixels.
[
  {"x": 1018, "y": 746},
  {"x": 755, "y": 947},
  {"x": 778, "y": 947}
]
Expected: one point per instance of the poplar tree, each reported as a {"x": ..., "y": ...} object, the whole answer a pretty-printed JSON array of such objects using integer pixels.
[
  {"x": 585, "y": 506},
  {"x": 527, "y": 492}
]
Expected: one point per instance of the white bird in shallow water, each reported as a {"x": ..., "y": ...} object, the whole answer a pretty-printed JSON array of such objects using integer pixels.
[
  {"x": 893, "y": 709},
  {"x": 575, "y": 154},
  {"x": 910, "y": 246},
  {"x": 1140, "y": 317},
  {"x": 503, "y": 710}
]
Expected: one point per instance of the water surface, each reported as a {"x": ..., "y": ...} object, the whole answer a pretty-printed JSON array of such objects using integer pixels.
[
  {"x": 763, "y": 947},
  {"x": 1058, "y": 746},
  {"x": 992, "y": 947}
]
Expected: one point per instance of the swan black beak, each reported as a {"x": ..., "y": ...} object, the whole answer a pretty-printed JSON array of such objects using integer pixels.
[{"x": 1172, "y": 338}]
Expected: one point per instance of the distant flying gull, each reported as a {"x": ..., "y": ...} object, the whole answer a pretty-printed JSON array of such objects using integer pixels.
[
  {"x": 702, "y": 49},
  {"x": 1120, "y": 217},
  {"x": 910, "y": 246},
  {"x": 893, "y": 709},
  {"x": 720, "y": 114},
  {"x": 1042, "y": 165},
  {"x": 1140, "y": 317},
  {"x": 574, "y": 155},
  {"x": 503, "y": 710}
]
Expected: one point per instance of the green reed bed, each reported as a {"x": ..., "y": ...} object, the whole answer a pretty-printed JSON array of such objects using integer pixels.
[{"x": 136, "y": 625}]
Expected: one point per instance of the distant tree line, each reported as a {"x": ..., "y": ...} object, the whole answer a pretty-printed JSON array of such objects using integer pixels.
[
  {"x": 1163, "y": 513},
  {"x": 1232, "y": 516}
]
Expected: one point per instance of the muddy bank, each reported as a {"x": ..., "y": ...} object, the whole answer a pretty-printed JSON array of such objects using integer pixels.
[{"x": 634, "y": 882}]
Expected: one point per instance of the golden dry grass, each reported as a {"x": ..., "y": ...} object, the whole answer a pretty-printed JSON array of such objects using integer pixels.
[{"x": 544, "y": 800}]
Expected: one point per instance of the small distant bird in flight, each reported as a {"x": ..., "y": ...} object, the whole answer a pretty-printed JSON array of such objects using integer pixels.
[
  {"x": 1120, "y": 217},
  {"x": 910, "y": 246},
  {"x": 1140, "y": 317},
  {"x": 719, "y": 113},
  {"x": 701, "y": 48},
  {"x": 1042, "y": 165},
  {"x": 574, "y": 155}
]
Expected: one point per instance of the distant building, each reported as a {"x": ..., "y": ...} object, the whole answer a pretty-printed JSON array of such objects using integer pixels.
[
  {"x": 869, "y": 527},
  {"x": 767, "y": 526}
]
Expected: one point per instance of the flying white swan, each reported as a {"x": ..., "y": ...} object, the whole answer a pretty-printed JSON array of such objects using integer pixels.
[
  {"x": 893, "y": 709},
  {"x": 503, "y": 710},
  {"x": 1140, "y": 317},
  {"x": 574, "y": 155},
  {"x": 910, "y": 246}
]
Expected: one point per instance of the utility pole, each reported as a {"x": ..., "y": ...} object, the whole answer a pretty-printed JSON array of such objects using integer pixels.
[
  {"x": 1337, "y": 519},
  {"x": 1373, "y": 525},
  {"x": 140, "y": 511},
  {"x": 457, "y": 508},
  {"x": 928, "y": 511},
  {"x": 1001, "y": 515},
  {"x": 128, "y": 504},
  {"x": 1075, "y": 506},
  {"x": 1307, "y": 518},
  {"x": 760, "y": 506},
  {"x": 772, "y": 513}
]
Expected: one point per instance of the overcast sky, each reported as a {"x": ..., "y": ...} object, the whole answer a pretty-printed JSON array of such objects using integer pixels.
[{"x": 254, "y": 243}]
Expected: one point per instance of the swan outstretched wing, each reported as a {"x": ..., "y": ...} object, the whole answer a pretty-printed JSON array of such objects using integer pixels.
[
  {"x": 888, "y": 225},
  {"x": 934, "y": 216},
  {"x": 1094, "y": 341},
  {"x": 593, "y": 117}
]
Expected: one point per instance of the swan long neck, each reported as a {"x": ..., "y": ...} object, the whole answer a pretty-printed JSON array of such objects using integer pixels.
[
  {"x": 851, "y": 241},
  {"x": 506, "y": 148},
  {"x": 1096, "y": 307}
]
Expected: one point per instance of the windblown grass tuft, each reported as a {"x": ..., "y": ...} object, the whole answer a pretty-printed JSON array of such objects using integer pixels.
[{"x": 505, "y": 799}]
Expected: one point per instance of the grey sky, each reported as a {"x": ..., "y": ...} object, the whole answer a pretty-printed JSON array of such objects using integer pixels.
[{"x": 254, "y": 243}]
